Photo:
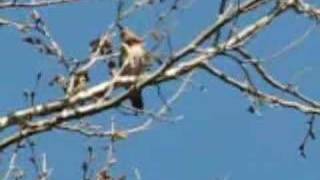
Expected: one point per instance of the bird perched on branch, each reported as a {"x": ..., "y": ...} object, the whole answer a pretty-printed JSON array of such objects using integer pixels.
[
  {"x": 134, "y": 60},
  {"x": 76, "y": 83}
]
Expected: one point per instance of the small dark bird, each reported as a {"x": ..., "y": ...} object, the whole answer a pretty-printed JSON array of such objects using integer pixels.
[
  {"x": 134, "y": 60},
  {"x": 101, "y": 46}
]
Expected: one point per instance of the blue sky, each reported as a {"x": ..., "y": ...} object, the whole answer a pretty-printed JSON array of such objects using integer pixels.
[{"x": 218, "y": 137}]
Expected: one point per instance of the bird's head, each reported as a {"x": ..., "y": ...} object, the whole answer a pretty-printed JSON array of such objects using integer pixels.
[{"x": 129, "y": 37}]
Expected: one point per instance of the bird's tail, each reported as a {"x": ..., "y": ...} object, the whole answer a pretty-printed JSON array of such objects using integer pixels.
[{"x": 136, "y": 99}]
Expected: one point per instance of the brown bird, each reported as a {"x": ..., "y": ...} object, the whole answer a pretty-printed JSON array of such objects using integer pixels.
[
  {"x": 78, "y": 83},
  {"x": 134, "y": 60},
  {"x": 73, "y": 85}
]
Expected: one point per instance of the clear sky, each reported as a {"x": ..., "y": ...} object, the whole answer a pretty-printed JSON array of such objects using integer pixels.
[{"x": 217, "y": 138}]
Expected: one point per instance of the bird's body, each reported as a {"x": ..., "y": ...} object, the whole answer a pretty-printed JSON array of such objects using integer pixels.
[
  {"x": 72, "y": 86},
  {"x": 134, "y": 60},
  {"x": 78, "y": 83}
]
